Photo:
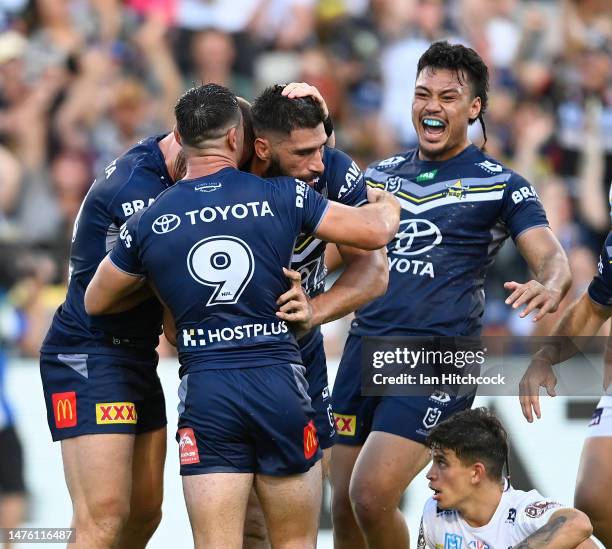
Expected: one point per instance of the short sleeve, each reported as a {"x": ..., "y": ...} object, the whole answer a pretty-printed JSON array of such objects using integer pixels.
[
  {"x": 124, "y": 254},
  {"x": 425, "y": 540},
  {"x": 535, "y": 512},
  {"x": 345, "y": 181},
  {"x": 521, "y": 207},
  {"x": 600, "y": 289}
]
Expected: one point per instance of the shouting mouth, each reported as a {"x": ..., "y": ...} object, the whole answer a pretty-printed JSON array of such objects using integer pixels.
[{"x": 433, "y": 128}]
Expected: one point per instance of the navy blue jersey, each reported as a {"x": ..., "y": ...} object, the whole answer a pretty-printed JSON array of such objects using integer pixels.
[
  {"x": 455, "y": 216},
  {"x": 342, "y": 181},
  {"x": 600, "y": 289},
  {"x": 127, "y": 185},
  {"x": 214, "y": 248}
]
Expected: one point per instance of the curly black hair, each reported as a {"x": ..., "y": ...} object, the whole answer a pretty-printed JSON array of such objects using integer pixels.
[
  {"x": 474, "y": 435},
  {"x": 464, "y": 61}
]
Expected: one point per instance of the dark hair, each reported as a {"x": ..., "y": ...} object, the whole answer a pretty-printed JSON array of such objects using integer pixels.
[
  {"x": 205, "y": 112},
  {"x": 474, "y": 435},
  {"x": 462, "y": 60},
  {"x": 274, "y": 112}
]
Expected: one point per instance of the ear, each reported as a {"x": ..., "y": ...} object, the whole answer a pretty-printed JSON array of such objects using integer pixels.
[
  {"x": 479, "y": 471},
  {"x": 475, "y": 108},
  {"x": 177, "y": 136},
  {"x": 232, "y": 138},
  {"x": 262, "y": 149}
]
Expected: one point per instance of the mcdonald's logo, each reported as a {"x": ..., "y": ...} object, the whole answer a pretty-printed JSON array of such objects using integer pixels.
[
  {"x": 311, "y": 442},
  {"x": 345, "y": 425},
  {"x": 116, "y": 412},
  {"x": 64, "y": 409}
]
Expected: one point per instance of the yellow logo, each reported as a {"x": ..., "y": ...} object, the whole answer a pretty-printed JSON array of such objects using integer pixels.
[
  {"x": 116, "y": 412},
  {"x": 345, "y": 425}
]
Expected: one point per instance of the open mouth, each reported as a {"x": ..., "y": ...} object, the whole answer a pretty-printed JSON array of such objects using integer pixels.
[
  {"x": 436, "y": 493},
  {"x": 433, "y": 127}
]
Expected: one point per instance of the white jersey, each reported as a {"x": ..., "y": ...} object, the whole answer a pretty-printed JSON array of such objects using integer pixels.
[{"x": 518, "y": 515}]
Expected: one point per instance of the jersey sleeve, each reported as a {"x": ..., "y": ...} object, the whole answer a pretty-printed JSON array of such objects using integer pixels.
[
  {"x": 521, "y": 207},
  {"x": 345, "y": 181},
  {"x": 600, "y": 289},
  {"x": 124, "y": 254},
  {"x": 300, "y": 203},
  {"x": 534, "y": 512}
]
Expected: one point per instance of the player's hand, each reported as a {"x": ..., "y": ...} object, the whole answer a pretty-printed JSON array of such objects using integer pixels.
[
  {"x": 302, "y": 89},
  {"x": 535, "y": 296},
  {"x": 539, "y": 374},
  {"x": 294, "y": 306}
]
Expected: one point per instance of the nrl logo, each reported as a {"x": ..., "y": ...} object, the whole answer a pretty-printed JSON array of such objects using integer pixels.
[{"x": 457, "y": 190}]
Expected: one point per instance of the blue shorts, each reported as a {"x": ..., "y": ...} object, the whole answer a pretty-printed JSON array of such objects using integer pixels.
[
  {"x": 246, "y": 420},
  {"x": 95, "y": 393},
  {"x": 409, "y": 417},
  {"x": 313, "y": 358}
]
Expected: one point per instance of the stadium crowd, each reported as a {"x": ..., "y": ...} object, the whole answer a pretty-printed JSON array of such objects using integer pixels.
[{"x": 82, "y": 80}]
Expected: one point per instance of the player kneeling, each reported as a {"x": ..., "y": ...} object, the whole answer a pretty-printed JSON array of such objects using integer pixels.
[{"x": 474, "y": 506}]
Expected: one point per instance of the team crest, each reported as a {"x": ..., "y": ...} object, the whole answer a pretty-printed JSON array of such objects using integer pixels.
[{"x": 457, "y": 190}]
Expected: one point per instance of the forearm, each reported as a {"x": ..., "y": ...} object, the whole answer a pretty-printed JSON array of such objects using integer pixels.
[
  {"x": 566, "y": 529},
  {"x": 553, "y": 272},
  {"x": 364, "y": 279},
  {"x": 580, "y": 321}
]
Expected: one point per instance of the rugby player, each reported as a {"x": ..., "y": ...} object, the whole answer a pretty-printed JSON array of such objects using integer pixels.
[
  {"x": 244, "y": 415},
  {"x": 458, "y": 206},
  {"x": 290, "y": 134},
  {"x": 103, "y": 396},
  {"x": 474, "y": 506},
  {"x": 583, "y": 318}
]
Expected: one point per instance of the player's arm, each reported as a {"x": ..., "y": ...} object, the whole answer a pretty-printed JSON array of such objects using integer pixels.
[
  {"x": 364, "y": 278},
  {"x": 547, "y": 260},
  {"x": 566, "y": 529},
  {"x": 294, "y": 306},
  {"x": 580, "y": 321},
  {"x": 169, "y": 326},
  {"x": 369, "y": 227},
  {"x": 112, "y": 290}
]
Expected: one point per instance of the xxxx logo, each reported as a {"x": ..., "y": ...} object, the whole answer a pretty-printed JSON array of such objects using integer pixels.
[
  {"x": 116, "y": 412},
  {"x": 345, "y": 425}
]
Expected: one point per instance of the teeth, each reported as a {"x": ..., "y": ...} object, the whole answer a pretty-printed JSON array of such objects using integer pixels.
[{"x": 433, "y": 122}]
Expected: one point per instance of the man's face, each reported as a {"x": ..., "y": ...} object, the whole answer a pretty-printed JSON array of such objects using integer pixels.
[
  {"x": 300, "y": 155},
  {"x": 441, "y": 109},
  {"x": 449, "y": 479}
]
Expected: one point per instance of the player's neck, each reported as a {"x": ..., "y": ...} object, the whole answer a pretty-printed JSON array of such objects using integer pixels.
[
  {"x": 446, "y": 154},
  {"x": 258, "y": 166},
  {"x": 479, "y": 509},
  {"x": 201, "y": 166}
]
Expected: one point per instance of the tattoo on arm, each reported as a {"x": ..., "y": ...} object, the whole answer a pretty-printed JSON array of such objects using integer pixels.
[{"x": 542, "y": 537}]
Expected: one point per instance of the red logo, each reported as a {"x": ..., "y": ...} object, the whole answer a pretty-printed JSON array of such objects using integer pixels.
[
  {"x": 188, "y": 446},
  {"x": 311, "y": 442},
  {"x": 64, "y": 409}
]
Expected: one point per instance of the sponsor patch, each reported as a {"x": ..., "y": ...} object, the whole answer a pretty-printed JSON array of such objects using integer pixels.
[
  {"x": 311, "y": 442},
  {"x": 426, "y": 176},
  {"x": 596, "y": 417},
  {"x": 64, "y": 409},
  {"x": 345, "y": 425},
  {"x": 116, "y": 412},
  {"x": 452, "y": 541},
  {"x": 188, "y": 446},
  {"x": 538, "y": 508}
]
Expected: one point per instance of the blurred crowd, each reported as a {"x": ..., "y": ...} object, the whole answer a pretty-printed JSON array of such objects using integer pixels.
[{"x": 82, "y": 80}]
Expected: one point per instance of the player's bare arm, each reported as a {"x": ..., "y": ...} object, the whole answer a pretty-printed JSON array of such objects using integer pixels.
[
  {"x": 369, "y": 227},
  {"x": 364, "y": 278},
  {"x": 566, "y": 529},
  {"x": 552, "y": 277},
  {"x": 582, "y": 319},
  {"x": 109, "y": 288}
]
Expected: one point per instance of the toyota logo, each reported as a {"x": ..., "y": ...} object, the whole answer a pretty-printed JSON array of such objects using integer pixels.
[
  {"x": 166, "y": 223},
  {"x": 415, "y": 237}
]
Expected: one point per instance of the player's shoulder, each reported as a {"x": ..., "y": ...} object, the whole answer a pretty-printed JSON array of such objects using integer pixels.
[
  {"x": 142, "y": 166},
  {"x": 532, "y": 504},
  {"x": 396, "y": 163}
]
